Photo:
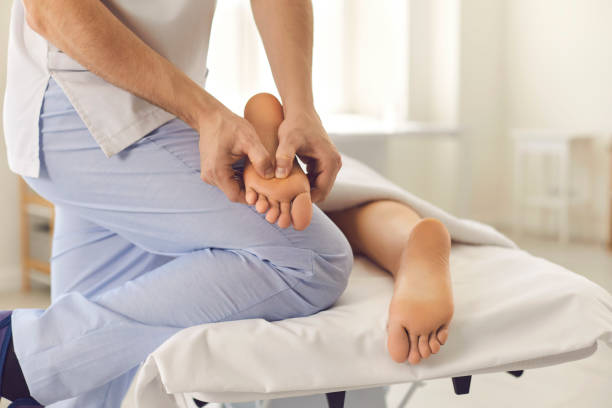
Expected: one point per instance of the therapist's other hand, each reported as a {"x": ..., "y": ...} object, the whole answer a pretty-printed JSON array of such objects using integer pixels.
[
  {"x": 224, "y": 139},
  {"x": 303, "y": 134}
]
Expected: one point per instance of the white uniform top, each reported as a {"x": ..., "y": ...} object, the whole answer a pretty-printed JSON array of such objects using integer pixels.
[{"x": 177, "y": 29}]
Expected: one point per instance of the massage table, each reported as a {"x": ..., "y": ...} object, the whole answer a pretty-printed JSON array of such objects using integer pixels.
[{"x": 513, "y": 311}]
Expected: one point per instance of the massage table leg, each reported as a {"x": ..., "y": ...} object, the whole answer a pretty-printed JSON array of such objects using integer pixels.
[
  {"x": 462, "y": 384},
  {"x": 335, "y": 399}
]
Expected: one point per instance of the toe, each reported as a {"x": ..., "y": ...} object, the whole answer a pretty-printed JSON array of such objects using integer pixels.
[
  {"x": 251, "y": 196},
  {"x": 301, "y": 211},
  {"x": 424, "y": 349},
  {"x": 273, "y": 212},
  {"x": 397, "y": 342},
  {"x": 284, "y": 221},
  {"x": 443, "y": 335},
  {"x": 262, "y": 204},
  {"x": 434, "y": 344},
  {"x": 413, "y": 356}
]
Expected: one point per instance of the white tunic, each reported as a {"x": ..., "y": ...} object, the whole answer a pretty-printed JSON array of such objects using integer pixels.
[{"x": 178, "y": 29}]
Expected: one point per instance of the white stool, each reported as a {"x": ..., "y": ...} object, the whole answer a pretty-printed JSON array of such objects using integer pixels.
[{"x": 557, "y": 146}]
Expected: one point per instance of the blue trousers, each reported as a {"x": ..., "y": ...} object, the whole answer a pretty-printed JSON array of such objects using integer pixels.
[{"x": 144, "y": 248}]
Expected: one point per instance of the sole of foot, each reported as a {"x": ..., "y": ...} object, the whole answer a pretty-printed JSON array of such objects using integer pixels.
[
  {"x": 421, "y": 308},
  {"x": 284, "y": 201}
]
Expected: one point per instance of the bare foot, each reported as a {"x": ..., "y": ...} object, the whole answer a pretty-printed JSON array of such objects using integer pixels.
[
  {"x": 422, "y": 305},
  {"x": 285, "y": 201}
]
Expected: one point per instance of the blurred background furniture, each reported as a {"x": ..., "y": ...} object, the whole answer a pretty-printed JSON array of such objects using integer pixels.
[
  {"x": 37, "y": 216},
  {"x": 545, "y": 177}
]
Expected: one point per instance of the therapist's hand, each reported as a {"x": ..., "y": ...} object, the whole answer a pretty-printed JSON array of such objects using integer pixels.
[
  {"x": 225, "y": 138},
  {"x": 302, "y": 133}
]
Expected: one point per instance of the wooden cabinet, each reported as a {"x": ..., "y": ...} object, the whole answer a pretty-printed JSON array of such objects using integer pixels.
[{"x": 37, "y": 219}]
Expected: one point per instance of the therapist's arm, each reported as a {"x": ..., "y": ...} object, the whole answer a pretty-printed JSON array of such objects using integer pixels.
[
  {"x": 285, "y": 27},
  {"x": 89, "y": 33}
]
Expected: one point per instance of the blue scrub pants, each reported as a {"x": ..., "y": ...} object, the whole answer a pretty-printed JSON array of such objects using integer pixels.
[{"x": 144, "y": 248}]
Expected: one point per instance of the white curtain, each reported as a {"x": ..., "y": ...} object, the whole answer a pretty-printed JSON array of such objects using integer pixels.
[{"x": 360, "y": 57}]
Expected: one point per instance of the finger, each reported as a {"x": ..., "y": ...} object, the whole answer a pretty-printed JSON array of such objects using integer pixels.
[
  {"x": 260, "y": 158},
  {"x": 324, "y": 181},
  {"x": 285, "y": 155},
  {"x": 206, "y": 177},
  {"x": 322, "y": 186},
  {"x": 224, "y": 180},
  {"x": 238, "y": 177}
]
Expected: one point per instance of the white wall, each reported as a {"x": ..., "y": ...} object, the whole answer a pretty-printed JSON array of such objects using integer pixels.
[
  {"x": 378, "y": 54},
  {"x": 457, "y": 77},
  {"x": 533, "y": 64},
  {"x": 9, "y": 211},
  {"x": 481, "y": 102},
  {"x": 424, "y": 165},
  {"x": 434, "y": 60},
  {"x": 559, "y": 75}
]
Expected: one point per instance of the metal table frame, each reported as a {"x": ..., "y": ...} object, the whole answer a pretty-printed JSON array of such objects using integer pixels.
[{"x": 461, "y": 386}]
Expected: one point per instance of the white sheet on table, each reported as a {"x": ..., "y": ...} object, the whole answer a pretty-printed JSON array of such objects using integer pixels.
[
  {"x": 512, "y": 311},
  {"x": 356, "y": 184}
]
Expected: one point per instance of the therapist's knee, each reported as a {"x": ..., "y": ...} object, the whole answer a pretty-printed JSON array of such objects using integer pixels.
[{"x": 332, "y": 266}]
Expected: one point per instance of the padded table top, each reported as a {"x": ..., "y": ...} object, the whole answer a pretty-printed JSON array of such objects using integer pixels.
[{"x": 512, "y": 311}]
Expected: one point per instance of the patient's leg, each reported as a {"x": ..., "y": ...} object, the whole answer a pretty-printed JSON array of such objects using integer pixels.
[
  {"x": 286, "y": 201},
  {"x": 416, "y": 252}
]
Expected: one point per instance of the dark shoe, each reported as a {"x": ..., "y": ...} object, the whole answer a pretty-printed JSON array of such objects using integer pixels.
[
  {"x": 5, "y": 325},
  {"x": 5, "y": 341},
  {"x": 25, "y": 403},
  {"x": 5, "y": 338}
]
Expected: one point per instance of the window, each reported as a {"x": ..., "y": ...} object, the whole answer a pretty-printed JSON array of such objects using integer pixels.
[{"x": 360, "y": 57}]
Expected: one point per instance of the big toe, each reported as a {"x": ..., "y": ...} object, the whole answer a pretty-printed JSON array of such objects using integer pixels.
[
  {"x": 398, "y": 342},
  {"x": 301, "y": 211},
  {"x": 443, "y": 335}
]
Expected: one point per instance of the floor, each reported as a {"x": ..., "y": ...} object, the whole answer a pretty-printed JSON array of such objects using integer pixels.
[{"x": 584, "y": 383}]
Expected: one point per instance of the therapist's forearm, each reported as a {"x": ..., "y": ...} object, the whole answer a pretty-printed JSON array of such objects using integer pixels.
[
  {"x": 285, "y": 27},
  {"x": 89, "y": 33}
]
